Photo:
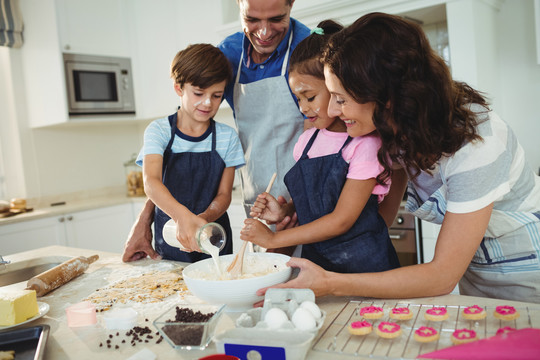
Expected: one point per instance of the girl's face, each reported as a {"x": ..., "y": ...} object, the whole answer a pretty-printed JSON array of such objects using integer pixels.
[
  {"x": 357, "y": 117},
  {"x": 313, "y": 98},
  {"x": 200, "y": 105}
]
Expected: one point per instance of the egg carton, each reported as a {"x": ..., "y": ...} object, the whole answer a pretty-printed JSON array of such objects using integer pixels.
[
  {"x": 253, "y": 335},
  {"x": 287, "y": 300}
]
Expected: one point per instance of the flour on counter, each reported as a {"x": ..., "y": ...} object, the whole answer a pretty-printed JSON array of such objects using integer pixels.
[{"x": 140, "y": 284}]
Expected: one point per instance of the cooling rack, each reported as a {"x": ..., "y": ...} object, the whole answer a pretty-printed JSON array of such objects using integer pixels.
[{"x": 335, "y": 339}]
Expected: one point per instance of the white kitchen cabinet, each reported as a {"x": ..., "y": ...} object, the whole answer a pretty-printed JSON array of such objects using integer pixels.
[
  {"x": 97, "y": 27},
  {"x": 103, "y": 229},
  {"x": 31, "y": 234},
  {"x": 99, "y": 229}
]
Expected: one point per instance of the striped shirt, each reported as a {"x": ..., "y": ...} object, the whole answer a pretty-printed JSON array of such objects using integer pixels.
[
  {"x": 158, "y": 134},
  {"x": 491, "y": 170}
]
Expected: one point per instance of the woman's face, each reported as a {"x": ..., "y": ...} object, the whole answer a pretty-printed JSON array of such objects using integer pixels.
[
  {"x": 357, "y": 117},
  {"x": 200, "y": 104},
  {"x": 313, "y": 98}
]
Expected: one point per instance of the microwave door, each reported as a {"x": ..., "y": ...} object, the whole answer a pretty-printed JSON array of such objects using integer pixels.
[{"x": 93, "y": 87}]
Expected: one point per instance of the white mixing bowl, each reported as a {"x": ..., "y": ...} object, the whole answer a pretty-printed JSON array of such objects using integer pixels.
[{"x": 238, "y": 294}]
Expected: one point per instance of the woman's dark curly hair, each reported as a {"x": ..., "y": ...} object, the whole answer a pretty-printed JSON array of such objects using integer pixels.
[
  {"x": 306, "y": 56},
  {"x": 420, "y": 114}
]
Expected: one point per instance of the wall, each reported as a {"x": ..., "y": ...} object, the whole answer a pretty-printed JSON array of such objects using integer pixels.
[{"x": 79, "y": 158}]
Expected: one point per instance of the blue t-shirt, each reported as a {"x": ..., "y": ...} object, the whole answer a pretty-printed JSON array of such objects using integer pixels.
[
  {"x": 158, "y": 134},
  {"x": 233, "y": 45}
]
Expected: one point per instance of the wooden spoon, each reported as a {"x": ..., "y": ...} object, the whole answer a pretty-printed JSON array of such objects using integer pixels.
[{"x": 236, "y": 266}]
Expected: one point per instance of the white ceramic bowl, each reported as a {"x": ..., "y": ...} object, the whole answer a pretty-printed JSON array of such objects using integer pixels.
[{"x": 237, "y": 294}]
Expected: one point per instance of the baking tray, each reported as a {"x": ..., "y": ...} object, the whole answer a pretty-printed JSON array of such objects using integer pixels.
[
  {"x": 28, "y": 343},
  {"x": 335, "y": 339}
]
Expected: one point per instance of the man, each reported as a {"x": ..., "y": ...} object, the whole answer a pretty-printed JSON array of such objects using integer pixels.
[{"x": 266, "y": 114}]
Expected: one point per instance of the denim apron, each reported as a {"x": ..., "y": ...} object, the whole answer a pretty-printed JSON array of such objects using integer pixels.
[
  {"x": 268, "y": 123},
  {"x": 315, "y": 186},
  {"x": 193, "y": 179}
]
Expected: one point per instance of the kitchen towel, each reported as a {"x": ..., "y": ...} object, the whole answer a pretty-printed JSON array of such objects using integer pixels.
[{"x": 521, "y": 344}]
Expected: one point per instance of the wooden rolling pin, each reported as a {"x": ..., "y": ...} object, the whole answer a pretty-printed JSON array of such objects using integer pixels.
[{"x": 59, "y": 275}]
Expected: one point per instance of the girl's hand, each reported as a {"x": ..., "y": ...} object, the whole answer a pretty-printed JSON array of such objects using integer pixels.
[
  {"x": 311, "y": 276},
  {"x": 257, "y": 233},
  {"x": 267, "y": 208}
]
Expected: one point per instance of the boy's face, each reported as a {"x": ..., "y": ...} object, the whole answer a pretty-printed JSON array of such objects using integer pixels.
[
  {"x": 313, "y": 98},
  {"x": 199, "y": 104},
  {"x": 357, "y": 117},
  {"x": 265, "y": 23}
]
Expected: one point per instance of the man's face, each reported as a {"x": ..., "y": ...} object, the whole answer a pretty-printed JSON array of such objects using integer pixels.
[{"x": 265, "y": 23}]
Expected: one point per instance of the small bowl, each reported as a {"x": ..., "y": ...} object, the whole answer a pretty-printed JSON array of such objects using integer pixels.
[
  {"x": 237, "y": 294},
  {"x": 189, "y": 335}
]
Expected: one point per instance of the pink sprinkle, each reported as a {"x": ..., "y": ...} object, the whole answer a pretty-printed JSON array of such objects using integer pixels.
[
  {"x": 436, "y": 311},
  {"x": 388, "y": 327},
  {"x": 370, "y": 310},
  {"x": 425, "y": 331},
  {"x": 475, "y": 309},
  {"x": 464, "y": 334},
  {"x": 360, "y": 324},
  {"x": 401, "y": 310},
  {"x": 505, "y": 310}
]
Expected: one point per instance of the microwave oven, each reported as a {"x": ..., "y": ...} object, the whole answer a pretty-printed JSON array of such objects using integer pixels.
[{"x": 99, "y": 85}]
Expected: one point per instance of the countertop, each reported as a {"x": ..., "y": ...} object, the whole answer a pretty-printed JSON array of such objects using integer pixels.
[{"x": 83, "y": 343}]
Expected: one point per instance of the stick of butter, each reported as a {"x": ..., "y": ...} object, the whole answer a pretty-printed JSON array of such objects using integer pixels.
[{"x": 17, "y": 306}]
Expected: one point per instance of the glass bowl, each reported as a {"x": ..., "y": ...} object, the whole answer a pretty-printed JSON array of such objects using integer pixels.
[{"x": 196, "y": 326}]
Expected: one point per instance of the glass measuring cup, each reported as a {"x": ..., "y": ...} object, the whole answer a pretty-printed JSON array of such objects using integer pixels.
[{"x": 210, "y": 234}]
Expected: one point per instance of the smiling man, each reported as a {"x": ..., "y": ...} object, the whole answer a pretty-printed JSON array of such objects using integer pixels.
[{"x": 266, "y": 113}]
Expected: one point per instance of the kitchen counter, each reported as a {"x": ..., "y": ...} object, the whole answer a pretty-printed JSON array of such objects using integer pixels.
[{"x": 83, "y": 343}]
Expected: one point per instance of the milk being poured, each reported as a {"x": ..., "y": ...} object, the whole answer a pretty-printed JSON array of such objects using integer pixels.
[{"x": 207, "y": 246}]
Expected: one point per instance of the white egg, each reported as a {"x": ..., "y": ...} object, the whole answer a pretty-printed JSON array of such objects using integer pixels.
[
  {"x": 275, "y": 318},
  {"x": 312, "y": 308},
  {"x": 302, "y": 319}
]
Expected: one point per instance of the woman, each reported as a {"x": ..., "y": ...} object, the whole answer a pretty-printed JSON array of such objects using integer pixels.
[{"x": 464, "y": 166}]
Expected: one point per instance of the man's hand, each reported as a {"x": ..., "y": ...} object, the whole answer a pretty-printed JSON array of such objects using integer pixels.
[{"x": 139, "y": 242}]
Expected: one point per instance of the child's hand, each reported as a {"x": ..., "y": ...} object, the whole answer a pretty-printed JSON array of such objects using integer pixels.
[
  {"x": 186, "y": 230},
  {"x": 267, "y": 208},
  {"x": 257, "y": 233}
]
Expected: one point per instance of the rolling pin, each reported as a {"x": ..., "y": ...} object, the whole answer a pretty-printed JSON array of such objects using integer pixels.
[{"x": 59, "y": 275}]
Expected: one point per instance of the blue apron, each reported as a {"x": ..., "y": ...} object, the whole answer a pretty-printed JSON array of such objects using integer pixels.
[
  {"x": 315, "y": 186},
  {"x": 193, "y": 180}
]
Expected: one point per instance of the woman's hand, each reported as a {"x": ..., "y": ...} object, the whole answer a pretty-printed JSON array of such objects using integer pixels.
[
  {"x": 311, "y": 276},
  {"x": 256, "y": 232},
  {"x": 266, "y": 207}
]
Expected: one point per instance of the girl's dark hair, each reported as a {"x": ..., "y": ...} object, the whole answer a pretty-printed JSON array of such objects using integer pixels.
[
  {"x": 201, "y": 65},
  {"x": 306, "y": 57},
  {"x": 420, "y": 113}
]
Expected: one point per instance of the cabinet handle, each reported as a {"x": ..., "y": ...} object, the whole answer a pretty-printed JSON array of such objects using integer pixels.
[
  {"x": 62, "y": 219},
  {"x": 70, "y": 218},
  {"x": 67, "y": 47}
]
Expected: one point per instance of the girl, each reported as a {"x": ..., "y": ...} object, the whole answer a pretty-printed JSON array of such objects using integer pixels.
[
  {"x": 465, "y": 167},
  {"x": 336, "y": 183},
  {"x": 189, "y": 159}
]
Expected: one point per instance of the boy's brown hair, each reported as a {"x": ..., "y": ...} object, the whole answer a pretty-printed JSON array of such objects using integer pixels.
[{"x": 201, "y": 65}]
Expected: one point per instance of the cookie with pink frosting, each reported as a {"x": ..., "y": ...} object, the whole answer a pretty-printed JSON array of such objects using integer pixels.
[
  {"x": 506, "y": 312},
  {"x": 360, "y": 327},
  {"x": 436, "y": 314},
  {"x": 388, "y": 330},
  {"x": 401, "y": 313},
  {"x": 371, "y": 312},
  {"x": 474, "y": 312},
  {"x": 504, "y": 330},
  {"x": 462, "y": 336},
  {"x": 425, "y": 334}
]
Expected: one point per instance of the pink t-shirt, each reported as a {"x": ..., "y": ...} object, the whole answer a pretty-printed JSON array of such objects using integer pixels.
[{"x": 360, "y": 153}]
